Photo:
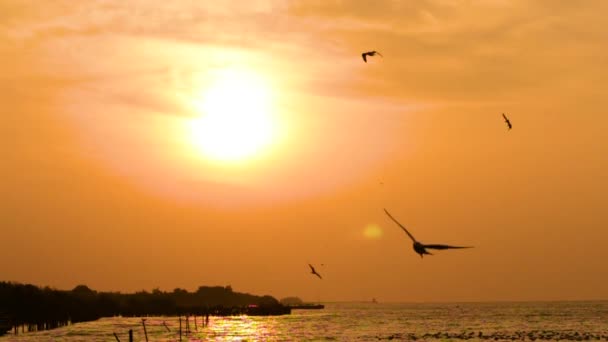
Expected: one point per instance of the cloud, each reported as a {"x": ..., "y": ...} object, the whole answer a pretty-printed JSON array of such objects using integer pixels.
[
  {"x": 463, "y": 50},
  {"x": 436, "y": 51},
  {"x": 125, "y": 60},
  {"x": 195, "y": 21},
  {"x": 107, "y": 47}
]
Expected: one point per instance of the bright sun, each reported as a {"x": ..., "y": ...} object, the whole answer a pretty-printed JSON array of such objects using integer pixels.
[{"x": 236, "y": 121}]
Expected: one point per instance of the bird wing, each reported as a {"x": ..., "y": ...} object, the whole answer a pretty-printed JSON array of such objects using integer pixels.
[
  {"x": 445, "y": 247},
  {"x": 379, "y": 54},
  {"x": 363, "y": 55},
  {"x": 312, "y": 269},
  {"x": 505, "y": 117},
  {"x": 318, "y": 275},
  {"x": 400, "y": 225}
]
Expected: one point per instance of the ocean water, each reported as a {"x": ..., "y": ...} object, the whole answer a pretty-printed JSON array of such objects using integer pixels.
[{"x": 578, "y": 321}]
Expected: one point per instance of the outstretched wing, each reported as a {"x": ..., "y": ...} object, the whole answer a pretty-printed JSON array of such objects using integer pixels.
[
  {"x": 313, "y": 271},
  {"x": 506, "y": 120},
  {"x": 445, "y": 247},
  {"x": 400, "y": 225},
  {"x": 379, "y": 54},
  {"x": 364, "y": 56}
]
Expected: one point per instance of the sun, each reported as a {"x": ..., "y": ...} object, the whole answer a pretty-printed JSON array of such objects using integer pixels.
[{"x": 236, "y": 121}]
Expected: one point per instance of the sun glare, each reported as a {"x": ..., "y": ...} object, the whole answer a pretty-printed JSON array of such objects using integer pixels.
[{"x": 236, "y": 121}]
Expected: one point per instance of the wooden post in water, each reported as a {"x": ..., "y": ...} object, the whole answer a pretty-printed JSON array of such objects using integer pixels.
[
  {"x": 180, "y": 328},
  {"x": 165, "y": 324},
  {"x": 130, "y": 335},
  {"x": 116, "y": 337},
  {"x": 195, "y": 326},
  {"x": 143, "y": 322},
  {"x": 187, "y": 324}
]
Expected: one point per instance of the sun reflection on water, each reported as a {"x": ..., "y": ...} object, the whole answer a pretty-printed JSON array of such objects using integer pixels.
[{"x": 238, "y": 328}]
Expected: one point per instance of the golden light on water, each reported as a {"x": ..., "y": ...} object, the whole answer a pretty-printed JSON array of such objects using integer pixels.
[
  {"x": 233, "y": 327},
  {"x": 237, "y": 120}
]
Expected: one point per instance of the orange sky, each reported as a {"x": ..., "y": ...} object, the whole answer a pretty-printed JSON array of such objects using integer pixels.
[{"x": 101, "y": 184}]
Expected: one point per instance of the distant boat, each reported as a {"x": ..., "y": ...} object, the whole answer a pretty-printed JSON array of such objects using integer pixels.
[
  {"x": 374, "y": 301},
  {"x": 307, "y": 306}
]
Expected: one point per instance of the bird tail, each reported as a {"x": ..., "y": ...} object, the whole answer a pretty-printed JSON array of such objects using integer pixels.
[{"x": 425, "y": 252}]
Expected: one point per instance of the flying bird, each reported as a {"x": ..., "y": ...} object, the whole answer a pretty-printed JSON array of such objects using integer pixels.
[
  {"x": 420, "y": 247},
  {"x": 313, "y": 271},
  {"x": 370, "y": 53},
  {"x": 507, "y": 120}
]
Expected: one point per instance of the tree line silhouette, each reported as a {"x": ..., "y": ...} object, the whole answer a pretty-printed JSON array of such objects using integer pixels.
[{"x": 46, "y": 308}]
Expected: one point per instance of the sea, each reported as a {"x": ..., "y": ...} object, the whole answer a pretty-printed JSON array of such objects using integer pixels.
[{"x": 501, "y": 321}]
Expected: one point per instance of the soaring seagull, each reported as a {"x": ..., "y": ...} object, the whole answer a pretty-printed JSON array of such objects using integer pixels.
[
  {"x": 370, "y": 53},
  {"x": 420, "y": 247},
  {"x": 312, "y": 270},
  {"x": 507, "y": 120}
]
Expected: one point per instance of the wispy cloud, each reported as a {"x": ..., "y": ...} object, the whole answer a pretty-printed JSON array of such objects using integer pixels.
[{"x": 455, "y": 50}]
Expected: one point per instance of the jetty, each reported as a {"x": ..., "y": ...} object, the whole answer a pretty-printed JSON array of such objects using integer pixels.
[{"x": 307, "y": 307}]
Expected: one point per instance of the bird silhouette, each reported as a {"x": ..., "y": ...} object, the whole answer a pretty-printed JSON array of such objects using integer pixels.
[
  {"x": 313, "y": 271},
  {"x": 507, "y": 120},
  {"x": 420, "y": 247},
  {"x": 370, "y": 53}
]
